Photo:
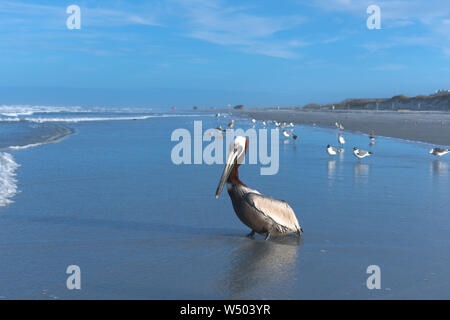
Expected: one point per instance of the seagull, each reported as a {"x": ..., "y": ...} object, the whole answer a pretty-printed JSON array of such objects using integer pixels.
[
  {"x": 332, "y": 151},
  {"x": 254, "y": 120},
  {"x": 361, "y": 153},
  {"x": 371, "y": 137},
  {"x": 438, "y": 152},
  {"x": 262, "y": 214},
  {"x": 286, "y": 133},
  {"x": 341, "y": 139},
  {"x": 219, "y": 128},
  {"x": 339, "y": 125}
]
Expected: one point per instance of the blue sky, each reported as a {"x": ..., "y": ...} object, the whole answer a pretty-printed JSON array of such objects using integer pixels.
[{"x": 213, "y": 53}]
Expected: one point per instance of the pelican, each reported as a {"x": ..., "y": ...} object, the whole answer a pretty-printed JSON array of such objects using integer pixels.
[
  {"x": 361, "y": 153},
  {"x": 262, "y": 214},
  {"x": 438, "y": 152}
]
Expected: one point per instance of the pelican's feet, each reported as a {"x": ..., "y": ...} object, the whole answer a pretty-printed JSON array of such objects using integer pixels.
[{"x": 251, "y": 234}]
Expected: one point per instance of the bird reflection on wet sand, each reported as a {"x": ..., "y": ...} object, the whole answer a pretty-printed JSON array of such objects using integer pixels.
[
  {"x": 262, "y": 265},
  {"x": 439, "y": 168},
  {"x": 361, "y": 170},
  {"x": 331, "y": 166}
]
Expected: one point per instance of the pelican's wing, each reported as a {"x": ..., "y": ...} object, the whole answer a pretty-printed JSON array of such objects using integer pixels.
[{"x": 278, "y": 210}]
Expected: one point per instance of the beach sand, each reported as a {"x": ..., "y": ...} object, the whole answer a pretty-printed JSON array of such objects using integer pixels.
[{"x": 430, "y": 127}]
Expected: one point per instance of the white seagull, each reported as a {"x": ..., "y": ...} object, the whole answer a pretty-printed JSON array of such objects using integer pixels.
[
  {"x": 286, "y": 133},
  {"x": 341, "y": 139},
  {"x": 438, "y": 152},
  {"x": 332, "y": 151},
  {"x": 361, "y": 153}
]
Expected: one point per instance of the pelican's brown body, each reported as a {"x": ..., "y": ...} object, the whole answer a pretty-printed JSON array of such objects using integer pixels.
[{"x": 262, "y": 214}]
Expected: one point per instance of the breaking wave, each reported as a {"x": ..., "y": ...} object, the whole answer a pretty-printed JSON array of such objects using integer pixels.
[{"x": 8, "y": 183}]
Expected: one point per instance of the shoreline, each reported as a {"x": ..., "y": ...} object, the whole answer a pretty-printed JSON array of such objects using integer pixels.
[
  {"x": 56, "y": 138},
  {"x": 426, "y": 126}
]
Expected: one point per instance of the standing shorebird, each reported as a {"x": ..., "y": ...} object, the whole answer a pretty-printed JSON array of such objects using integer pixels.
[
  {"x": 231, "y": 124},
  {"x": 262, "y": 214},
  {"x": 438, "y": 152},
  {"x": 361, "y": 153},
  {"x": 220, "y": 129},
  {"x": 341, "y": 140},
  {"x": 332, "y": 151},
  {"x": 286, "y": 133},
  {"x": 372, "y": 137},
  {"x": 339, "y": 125}
]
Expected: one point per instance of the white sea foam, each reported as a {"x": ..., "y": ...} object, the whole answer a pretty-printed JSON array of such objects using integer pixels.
[
  {"x": 8, "y": 183},
  {"x": 28, "y": 110},
  {"x": 81, "y": 119},
  {"x": 31, "y": 145}
]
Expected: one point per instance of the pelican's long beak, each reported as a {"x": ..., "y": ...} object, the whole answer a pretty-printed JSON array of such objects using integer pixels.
[{"x": 229, "y": 165}]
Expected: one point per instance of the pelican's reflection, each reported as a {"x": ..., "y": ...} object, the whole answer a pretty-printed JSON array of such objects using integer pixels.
[
  {"x": 257, "y": 263},
  {"x": 439, "y": 168},
  {"x": 361, "y": 170}
]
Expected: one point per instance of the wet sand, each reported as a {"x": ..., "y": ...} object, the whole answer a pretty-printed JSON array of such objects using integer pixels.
[{"x": 430, "y": 127}]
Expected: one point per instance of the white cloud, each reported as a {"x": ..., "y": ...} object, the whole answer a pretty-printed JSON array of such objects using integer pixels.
[
  {"x": 215, "y": 22},
  {"x": 423, "y": 22},
  {"x": 53, "y": 16},
  {"x": 388, "y": 67}
]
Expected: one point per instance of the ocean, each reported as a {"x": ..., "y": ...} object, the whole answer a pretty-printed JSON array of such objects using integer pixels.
[{"x": 97, "y": 188}]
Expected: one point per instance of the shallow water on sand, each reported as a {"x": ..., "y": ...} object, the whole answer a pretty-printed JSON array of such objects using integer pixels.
[{"x": 110, "y": 200}]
